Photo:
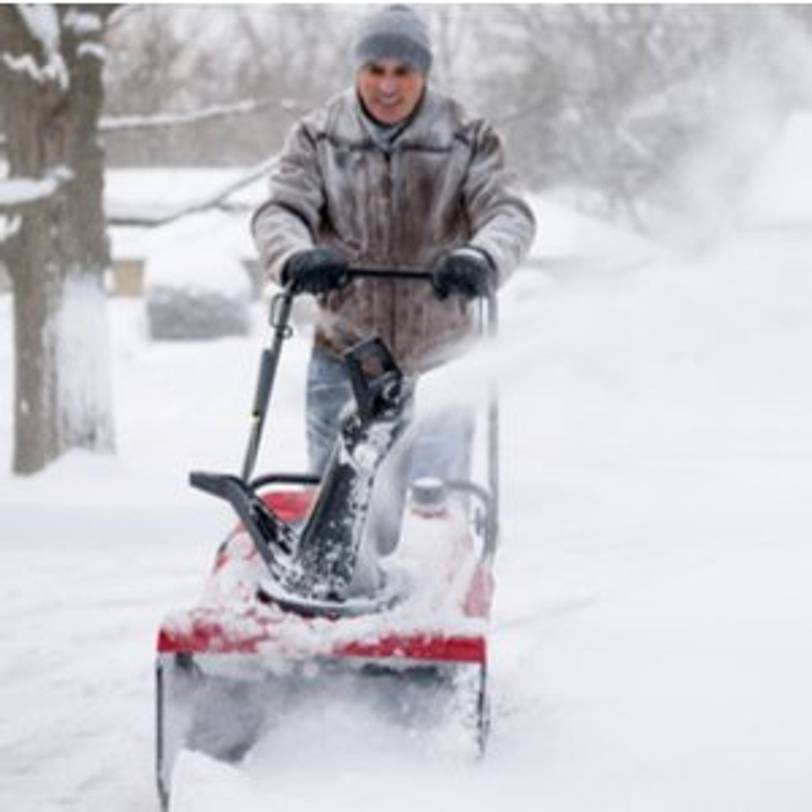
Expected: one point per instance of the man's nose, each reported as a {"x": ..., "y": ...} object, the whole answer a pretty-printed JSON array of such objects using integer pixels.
[{"x": 388, "y": 85}]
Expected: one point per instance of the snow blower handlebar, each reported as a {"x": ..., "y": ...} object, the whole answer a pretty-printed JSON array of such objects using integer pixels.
[{"x": 281, "y": 307}]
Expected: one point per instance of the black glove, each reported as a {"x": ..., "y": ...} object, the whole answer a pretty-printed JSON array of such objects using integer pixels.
[
  {"x": 316, "y": 271},
  {"x": 466, "y": 271}
]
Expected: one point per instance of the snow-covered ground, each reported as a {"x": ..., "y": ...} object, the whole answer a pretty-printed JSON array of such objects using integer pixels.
[{"x": 650, "y": 644}]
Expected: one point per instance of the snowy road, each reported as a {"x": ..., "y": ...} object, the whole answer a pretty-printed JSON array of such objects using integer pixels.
[{"x": 653, "y": 616}]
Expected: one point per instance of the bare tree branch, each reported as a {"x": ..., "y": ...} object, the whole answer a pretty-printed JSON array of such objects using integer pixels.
[
  {"x": 120, "y": 12},
  {"x": 259, "y": 47},
  {"x": 119, "y": 123},
  {"x": 130, "y": 123},
  {"x": 131, "y": 217},
  {"x": 502, "y": 119}
]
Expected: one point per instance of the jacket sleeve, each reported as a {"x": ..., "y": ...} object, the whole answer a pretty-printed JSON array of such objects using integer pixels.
[
  {"x": 288, "y": 221},
  {"x": 502, "y": 222}
]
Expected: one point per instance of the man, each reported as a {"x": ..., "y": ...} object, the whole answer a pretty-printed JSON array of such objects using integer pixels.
[{"x": 391, "y": 174}]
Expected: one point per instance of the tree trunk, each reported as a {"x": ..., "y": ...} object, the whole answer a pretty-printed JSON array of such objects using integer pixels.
[
  {"x": 62, "y": 395},
  {"x": 36, "y": 293}
]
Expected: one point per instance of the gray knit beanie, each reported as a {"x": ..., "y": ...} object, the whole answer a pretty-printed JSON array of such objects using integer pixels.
[{"x": 393, "y": 32}]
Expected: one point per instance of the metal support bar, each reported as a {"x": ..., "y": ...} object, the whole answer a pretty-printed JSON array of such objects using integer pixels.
[
  {"x": 281, "y": 306},
  {"x": 491, "y": 328}
]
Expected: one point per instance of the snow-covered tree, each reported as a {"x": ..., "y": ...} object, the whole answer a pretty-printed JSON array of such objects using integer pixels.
[
  {"x": 55, "y": 246},
  {"x": 611, "y": 99}
]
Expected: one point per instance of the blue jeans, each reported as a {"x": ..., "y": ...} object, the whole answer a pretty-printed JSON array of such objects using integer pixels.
[{"x": 439, "y": 445}]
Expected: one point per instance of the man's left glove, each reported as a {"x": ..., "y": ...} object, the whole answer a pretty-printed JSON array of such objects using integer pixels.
[
  {"x": 316, "y": 270},
  {"x": 467, "y": 271}
]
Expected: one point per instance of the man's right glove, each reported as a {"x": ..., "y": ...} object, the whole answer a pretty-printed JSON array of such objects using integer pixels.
[
  {"x": 467, "y": 271},
  {"x": 316, "y": 270}
]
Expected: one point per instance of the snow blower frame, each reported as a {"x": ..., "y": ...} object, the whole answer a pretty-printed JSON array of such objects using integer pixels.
[{"x": 194, "y": 642}]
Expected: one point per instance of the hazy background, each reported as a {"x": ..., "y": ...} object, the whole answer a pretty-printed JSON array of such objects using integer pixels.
[{"x": 624, "y": 106}]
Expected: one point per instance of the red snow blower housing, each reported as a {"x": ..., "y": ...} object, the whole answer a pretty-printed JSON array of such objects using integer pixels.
[{"x": 284, "y": 598}]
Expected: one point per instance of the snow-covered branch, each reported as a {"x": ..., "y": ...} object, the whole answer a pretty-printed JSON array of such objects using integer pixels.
[
  {"x": 129, "y": 215},
  {"x": 41, "y": 24},
  {"x": 19, "y": 194},
  {"x": 84, "y": 23},
  {"x": 116, "y": 123},
  {"x": 108, "y": 124}
]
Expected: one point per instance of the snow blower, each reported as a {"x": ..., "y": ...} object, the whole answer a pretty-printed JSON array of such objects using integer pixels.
[{"x": 291, "y": 594}]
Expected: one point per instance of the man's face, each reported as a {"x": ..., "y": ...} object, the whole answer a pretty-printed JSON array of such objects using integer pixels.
[{"x": 390, "y": 89}]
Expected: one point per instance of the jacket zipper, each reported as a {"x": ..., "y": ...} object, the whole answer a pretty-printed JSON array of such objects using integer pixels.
[{"x": 390, "y": 238}]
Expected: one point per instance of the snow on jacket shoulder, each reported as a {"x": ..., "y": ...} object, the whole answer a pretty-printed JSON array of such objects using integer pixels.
[{"x": 442, "y": 184}]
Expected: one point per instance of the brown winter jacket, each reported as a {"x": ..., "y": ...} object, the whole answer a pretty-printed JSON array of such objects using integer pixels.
[{"x": 442, "y": 185}]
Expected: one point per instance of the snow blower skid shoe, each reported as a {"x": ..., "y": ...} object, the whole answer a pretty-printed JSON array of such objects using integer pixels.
[{"x": 295, "y": 590}]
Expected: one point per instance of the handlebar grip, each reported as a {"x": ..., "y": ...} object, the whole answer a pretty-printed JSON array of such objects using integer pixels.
[{"x": 489, "y": 323}]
